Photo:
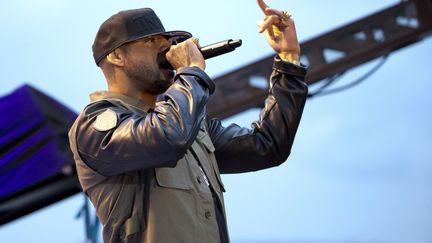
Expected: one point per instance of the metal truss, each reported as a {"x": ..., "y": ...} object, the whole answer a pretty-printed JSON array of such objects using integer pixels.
[{"x": 334, "y": 52}]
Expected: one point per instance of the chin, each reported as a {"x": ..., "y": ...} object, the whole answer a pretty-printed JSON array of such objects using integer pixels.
[{"x": 169, "y": 75}]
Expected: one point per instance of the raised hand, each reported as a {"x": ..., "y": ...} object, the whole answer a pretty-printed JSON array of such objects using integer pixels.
[{"x": 280, "y": 32}]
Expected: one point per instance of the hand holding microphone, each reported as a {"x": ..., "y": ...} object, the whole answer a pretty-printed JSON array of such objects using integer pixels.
[
  {"x": 208, "y": 51},
  {"x": 183, "y": 54}
]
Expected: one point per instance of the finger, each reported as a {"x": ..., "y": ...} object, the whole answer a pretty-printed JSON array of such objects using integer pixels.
[
  {"x": 269, "y": 21},
  {"x": 259, "y": 24},
  {"x": 270, "y": 32},
  {"x": 272, "y": 11},
  {"x": 262, "y": 5},
  {"x": 284, "y": 16},
  {"x": 196, "y": 41},
  {"x": 193, "y": 40}
]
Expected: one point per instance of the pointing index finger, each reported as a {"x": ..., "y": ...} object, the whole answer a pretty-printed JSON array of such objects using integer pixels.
[{"x": 262, "y": 5}]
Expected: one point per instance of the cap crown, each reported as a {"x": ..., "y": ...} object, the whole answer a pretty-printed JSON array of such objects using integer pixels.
[{"x": 127, "y": 26}]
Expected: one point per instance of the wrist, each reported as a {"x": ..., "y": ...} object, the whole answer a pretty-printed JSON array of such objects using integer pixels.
[
  {"x": 289, "y": 68},
  {"x": 196, "y": 65},
  {"x": 290, "y": 57},
  {"x": 199, "y": 75}
]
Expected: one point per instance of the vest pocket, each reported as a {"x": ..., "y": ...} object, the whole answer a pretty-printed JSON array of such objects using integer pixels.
[
  {"x": 131, "y": 227},
  {"x": 177, "y": 177},
  {"x": 204, "y": 138},
  {"x": 123, "y": 231}
]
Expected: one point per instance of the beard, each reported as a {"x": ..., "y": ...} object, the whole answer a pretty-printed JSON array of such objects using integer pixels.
[{"x": 147, "y": 78}]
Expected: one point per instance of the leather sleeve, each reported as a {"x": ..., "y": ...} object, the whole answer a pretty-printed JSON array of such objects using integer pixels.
[
  {"x": 268, "y": 143},
  {"x": 139, "y": 140}
]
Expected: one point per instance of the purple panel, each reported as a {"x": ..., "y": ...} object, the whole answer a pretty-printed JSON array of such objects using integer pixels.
[{"x": 29, "y": 139}]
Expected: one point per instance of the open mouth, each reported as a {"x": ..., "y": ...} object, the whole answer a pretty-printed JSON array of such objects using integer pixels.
[{"x": 163, "y": 62}]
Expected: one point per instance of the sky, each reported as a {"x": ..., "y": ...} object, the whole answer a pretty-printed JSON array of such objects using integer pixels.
[{"x": 360, "y": 169}]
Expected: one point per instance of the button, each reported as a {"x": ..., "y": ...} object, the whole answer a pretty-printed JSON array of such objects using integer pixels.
[
  {"x": 199, "y": 179},
  {"x": 207, "y": 214}
]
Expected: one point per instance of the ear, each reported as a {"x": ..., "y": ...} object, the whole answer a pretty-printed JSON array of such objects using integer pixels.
[{"x": 116, "y": 57}]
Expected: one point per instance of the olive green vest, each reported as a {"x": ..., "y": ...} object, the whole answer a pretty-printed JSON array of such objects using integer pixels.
[{"x": 162, "y": 205}]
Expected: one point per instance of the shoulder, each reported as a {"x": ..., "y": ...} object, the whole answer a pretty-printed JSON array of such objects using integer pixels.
[
  {"x": 96, "y": 108},
  {"x": 101, "y": 116}
]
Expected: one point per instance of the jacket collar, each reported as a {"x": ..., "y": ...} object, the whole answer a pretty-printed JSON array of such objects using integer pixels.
[{"x": 107, "y": 95}]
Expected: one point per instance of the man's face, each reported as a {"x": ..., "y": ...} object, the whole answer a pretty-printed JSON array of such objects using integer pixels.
[{"x": 142, "y": 64}]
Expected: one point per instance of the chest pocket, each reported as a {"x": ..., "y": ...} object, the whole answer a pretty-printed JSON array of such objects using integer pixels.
[
  {"x": 177, "y": 177},
  {"x": 180, "y": 176}
]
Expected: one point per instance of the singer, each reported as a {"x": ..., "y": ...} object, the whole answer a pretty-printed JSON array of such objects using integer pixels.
[{"x": 148, "y": 156}]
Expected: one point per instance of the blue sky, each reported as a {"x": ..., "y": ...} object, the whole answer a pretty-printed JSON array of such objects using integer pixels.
[{"x": 361, "y": 165}]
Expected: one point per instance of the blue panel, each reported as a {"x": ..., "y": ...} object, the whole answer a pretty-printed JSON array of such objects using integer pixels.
[{"x": 33, "y": 130}]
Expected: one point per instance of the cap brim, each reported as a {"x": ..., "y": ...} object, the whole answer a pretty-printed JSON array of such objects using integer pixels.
[
  {"x": 175, "y": 36},
  {"x": 178, "y": 35}
]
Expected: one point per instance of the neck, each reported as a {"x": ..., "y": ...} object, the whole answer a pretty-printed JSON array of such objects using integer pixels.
[
  {"x": 144, "y": 97},
  {"x": 120, "y": 83}
]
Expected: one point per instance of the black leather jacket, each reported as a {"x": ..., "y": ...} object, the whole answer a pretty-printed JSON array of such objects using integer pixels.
[{"x": 134, "y": 161}]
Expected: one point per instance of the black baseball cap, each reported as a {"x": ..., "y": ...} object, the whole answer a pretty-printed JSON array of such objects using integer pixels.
[{"x": 127, "y": 26}]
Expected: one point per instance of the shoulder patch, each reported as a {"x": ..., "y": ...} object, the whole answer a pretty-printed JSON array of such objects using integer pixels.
[{"x": 107, "y": 120}]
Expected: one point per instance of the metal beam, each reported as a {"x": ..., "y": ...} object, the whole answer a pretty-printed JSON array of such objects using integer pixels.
[
  {"x": 38, "y": 196},
  {"x": 334, "y": 52}
]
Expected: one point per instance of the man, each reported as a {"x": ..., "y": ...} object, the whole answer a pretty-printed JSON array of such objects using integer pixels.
[{"x": 146, "y": 154}]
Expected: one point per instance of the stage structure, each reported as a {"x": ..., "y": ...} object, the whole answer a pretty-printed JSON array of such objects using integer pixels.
[
  {"x": 328, "y": 55},
  {"x": 36, "y": 166}
]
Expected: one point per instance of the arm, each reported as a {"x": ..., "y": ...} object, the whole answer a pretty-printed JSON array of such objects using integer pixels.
[
  {"x": 141, "y": 141},
  {"x": 269, "y": 141}
]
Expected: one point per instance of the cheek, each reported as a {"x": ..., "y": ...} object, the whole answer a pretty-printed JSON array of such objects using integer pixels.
[
  {"x": 155, "y": 61},
  {"x": 142, "y": 63},
  {"x": 150, "y": 61}
]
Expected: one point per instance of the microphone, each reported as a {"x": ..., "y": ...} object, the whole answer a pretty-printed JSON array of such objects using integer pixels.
[
  {"x": 210, "y": 51},
  {"x": 220, "y": 48}
]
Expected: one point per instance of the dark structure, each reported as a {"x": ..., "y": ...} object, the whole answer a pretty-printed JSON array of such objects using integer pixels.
[{"x": 36, "y": 165}]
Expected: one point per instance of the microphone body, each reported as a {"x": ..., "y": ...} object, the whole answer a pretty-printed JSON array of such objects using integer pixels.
[
  {"x": 211, "y": 50},
  {"x": 220, "y": 48}
]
